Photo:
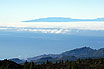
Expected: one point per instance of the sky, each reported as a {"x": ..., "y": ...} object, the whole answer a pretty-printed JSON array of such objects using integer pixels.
[
  {"x": 13, "y": 12},
  {"x": 20, "y": 10},
  {"x": 20, "y": 39}
]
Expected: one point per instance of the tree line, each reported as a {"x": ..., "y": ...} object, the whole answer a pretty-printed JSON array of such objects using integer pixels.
[{"x": 79, "y": 64}]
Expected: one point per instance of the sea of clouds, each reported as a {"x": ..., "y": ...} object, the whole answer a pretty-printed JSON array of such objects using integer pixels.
[{"x": 52, "y": 27}]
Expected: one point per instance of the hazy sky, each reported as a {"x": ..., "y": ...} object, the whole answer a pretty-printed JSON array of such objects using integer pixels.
[{"x": 19, "y": 10}]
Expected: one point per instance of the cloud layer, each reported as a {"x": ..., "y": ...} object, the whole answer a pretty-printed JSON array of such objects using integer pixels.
[{"x": 55, "y": 28}]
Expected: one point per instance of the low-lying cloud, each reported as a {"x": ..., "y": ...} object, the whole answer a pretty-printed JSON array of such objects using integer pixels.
[{"x": 55, "y": 28}]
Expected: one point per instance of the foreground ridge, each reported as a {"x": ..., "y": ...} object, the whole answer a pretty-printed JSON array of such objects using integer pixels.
[{"x": 78, "y": 64}]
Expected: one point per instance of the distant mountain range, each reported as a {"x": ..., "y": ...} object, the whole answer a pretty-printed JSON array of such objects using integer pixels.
[
  {"x": 17, "y": 60},
  {"x": 83, "y": 53},
  {"x": 62, "y": 19}
]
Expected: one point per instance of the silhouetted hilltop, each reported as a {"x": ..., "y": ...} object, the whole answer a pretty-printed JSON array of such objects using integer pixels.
[
  {"x": 6, "y": 64},
  {"x": 78, "y": 64}
]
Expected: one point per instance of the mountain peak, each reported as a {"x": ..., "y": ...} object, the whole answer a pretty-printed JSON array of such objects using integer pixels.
[
  {"x": 84, "y": 48},
  {"x": 80, "y": 52}
]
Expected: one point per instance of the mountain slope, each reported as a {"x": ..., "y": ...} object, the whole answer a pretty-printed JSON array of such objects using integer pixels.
[
  {"x": 84, "y": 52},
  {"x": 17, "y": 60},
  {"x": 99, "y": 53},
  {"x": 80, "y": 52},
  {"x": 43, "y": 56}
]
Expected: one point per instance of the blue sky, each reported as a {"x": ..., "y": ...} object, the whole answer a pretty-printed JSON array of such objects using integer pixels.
[{"x": 19, "y": 10}]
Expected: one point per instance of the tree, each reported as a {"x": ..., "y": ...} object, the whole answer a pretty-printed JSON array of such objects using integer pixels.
[
  {"x": 48, "y": 67},
  {"x": 74, "y": 66},
  {"x": 31, "y": 65},
  {"x": 6, "y": 67},
  {"x": 26, "y": 65},
  {"x": 2, "y": 67},
  {"x": 47, "y": 62},
  {"x": 68, "y": 67}
]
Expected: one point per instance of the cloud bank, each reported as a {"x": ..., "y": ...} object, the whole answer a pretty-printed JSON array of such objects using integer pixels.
[{"x": 54, "y": 28}]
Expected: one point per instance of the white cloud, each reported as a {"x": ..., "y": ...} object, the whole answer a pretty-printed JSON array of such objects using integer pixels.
[
  {"x": 52, "y": 27},
  {"x": 53, "y": 31},
  {"x": 4, "y": 28}
]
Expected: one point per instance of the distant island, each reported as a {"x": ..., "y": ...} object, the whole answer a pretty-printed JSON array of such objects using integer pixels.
[{"x": 62, "y": 19}]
